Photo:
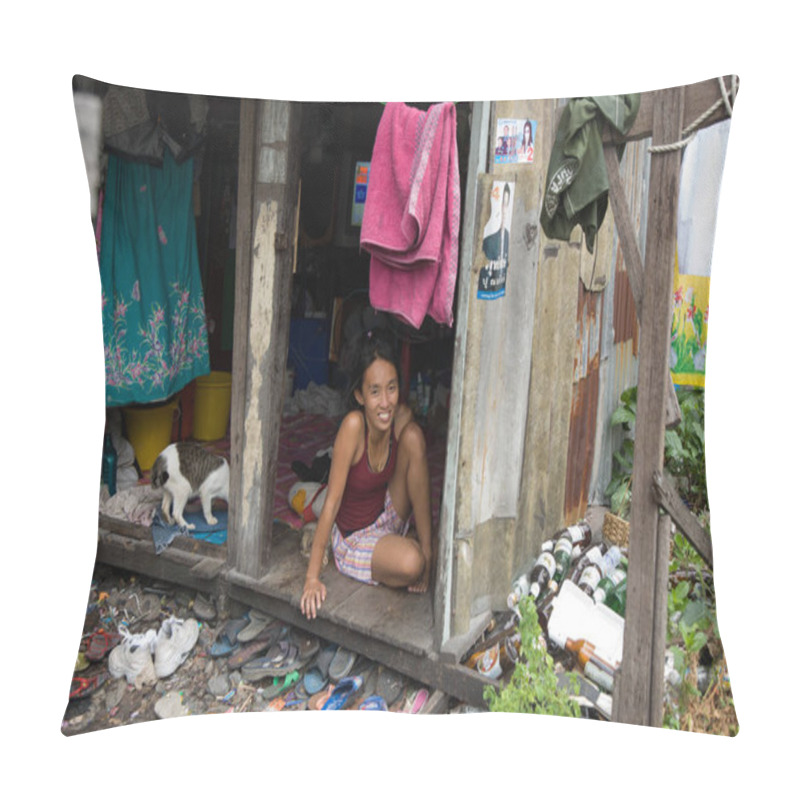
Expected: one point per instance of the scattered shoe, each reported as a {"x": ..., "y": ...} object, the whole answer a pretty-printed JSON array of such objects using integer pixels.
[
  {"x": 204, "y": 608},
  {"x": 226, "y": 640},
  {"x": 257, "y": 623},
  {"x": 100, "y": 643},
  {"x": 318, "y": 700},
  {"x": 415, "y": 701},
  {"x": 373, "y": 703},
  {"x": 133, "y": 658},
  {"x": 83, "y": 687},
  {"x": 343, "y": 693},
  {"x": 175, "y": 641},
  {"x": 389, "y": 686},
  {"x": 341, "y": 664}
]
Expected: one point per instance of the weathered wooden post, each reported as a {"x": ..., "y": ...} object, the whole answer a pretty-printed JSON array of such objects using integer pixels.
[{"x": 641, "y": 673}]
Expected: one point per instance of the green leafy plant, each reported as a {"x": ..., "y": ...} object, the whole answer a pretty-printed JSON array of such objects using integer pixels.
[
  {"x": 533, "y": 686},
  {"x": 684, "y": 451}
]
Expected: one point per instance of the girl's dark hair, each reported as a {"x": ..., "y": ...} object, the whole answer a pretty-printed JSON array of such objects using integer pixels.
[{"x": 373, "y": 344}]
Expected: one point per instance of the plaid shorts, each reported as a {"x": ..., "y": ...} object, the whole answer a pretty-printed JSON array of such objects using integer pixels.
[{"x": 353, "y": 554}]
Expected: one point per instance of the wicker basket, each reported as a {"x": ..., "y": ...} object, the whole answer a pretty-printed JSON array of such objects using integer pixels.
[{"x": 616, "y": 530}]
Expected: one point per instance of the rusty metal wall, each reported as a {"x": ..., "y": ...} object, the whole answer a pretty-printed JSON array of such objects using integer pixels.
[{"x": 606, "y": 363}]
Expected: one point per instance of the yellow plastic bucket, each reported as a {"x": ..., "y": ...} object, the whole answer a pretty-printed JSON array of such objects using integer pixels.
[
  {"x": 149, "y": 430},
  {"x": 212, "y": 406}
]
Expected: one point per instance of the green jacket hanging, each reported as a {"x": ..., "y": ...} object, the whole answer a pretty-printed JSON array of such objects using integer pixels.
[{"x": 577, "y": 181}]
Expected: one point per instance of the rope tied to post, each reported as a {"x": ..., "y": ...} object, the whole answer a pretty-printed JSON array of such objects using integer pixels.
[{"x": 690, "y": 131}]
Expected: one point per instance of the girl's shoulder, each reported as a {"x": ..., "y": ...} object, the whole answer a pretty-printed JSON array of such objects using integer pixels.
[{"x": 402, "y": 417}]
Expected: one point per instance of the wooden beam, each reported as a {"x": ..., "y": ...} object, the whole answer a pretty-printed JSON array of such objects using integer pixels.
[
  {"x": 248, "y": 112},
  {"x": 639, "y": 664},
  {"x": 659, "y": 636},
  {"x": 633, "y": 260},
  {"x": 698, "y": 99},
  {"x": 667, "y": 496}
]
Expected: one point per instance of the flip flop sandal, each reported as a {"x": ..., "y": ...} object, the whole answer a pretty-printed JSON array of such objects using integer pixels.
[
  {"x": 324, "y": 658},
  {"x": 314, "y": 681},
  {"x": 341, "y": 664},
  {"x": 307, "y": 647},
  {"x": 257, "y": 623},
  {"x": 415, "y": 701},
  {"x": 281, "y": 659},
  {"x": 226, "y": 638},
  {"x": 280, "y": 685},
  {"x": 373, "y": 703},
  {"x": 247, "y": 652},
  {"x": 389, "y": 686},
  {"x": 100, "y": 643},
  {"x": 316, "y": 701},
  {"x": 83, "y": 687},
  {"x": 343, "y": 693}
]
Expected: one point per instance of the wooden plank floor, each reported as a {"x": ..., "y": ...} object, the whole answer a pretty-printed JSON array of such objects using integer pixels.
[
  {"x": 391, "y": 626},
  {"x": 395, "y": 616}
]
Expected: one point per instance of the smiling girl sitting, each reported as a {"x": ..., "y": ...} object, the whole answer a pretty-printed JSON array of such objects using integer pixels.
[{"x": 378, "y": 476}]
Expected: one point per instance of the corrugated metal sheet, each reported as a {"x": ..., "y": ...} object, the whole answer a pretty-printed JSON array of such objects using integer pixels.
[
  {"x": 597, "y": 391},
  {"x": 585, "y": 393}
]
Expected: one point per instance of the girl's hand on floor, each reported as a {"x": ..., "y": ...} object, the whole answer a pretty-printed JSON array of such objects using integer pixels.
[{"x": 314, "y": 593}]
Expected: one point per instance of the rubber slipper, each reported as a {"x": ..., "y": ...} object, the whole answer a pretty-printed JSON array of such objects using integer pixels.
[
  {"x": 415, "y": 701},
  {"x": 83, "y": 687},
  {"x": 313, "y": 680},
  {"x": 147, "y": 607},
  {"x": 280, "y": 685},
  {"x": 204, "y": 607},
  {"x": 282, "y": 659},
  {"x": 343, "y": 693},
  {"x": 100, "y": 643},
  {"x": 316, "y": 701},
  {"x": 324, "y": 658},
  {"x": 226, "y": 638},
  {"x": 295, "y": 701},
  {"x": 341, "y": 664},
  {"x": 247, "y": 652},
  {"x": 307, "y": 647},
  {"x": 389, "y": 686},
  {"x": 257, "y": 623},
  {"x": 373, "y": 703}
]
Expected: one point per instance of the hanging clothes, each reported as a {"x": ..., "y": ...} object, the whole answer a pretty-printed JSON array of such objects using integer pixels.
[
  {"x": 412, "y": 213},
  {"x": 577, "y": 181},
  {"x": 154, "y": 324}
]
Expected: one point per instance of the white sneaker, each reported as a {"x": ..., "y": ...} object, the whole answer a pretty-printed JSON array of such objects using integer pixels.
[
  {"x": 133, "y": 657},
  {"x": 175, "y": 641}
]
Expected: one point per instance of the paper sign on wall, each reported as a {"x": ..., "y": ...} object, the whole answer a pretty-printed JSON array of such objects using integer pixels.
[
  {"x": 495, "y": 242},
  {"x": 514, "y": 141}
]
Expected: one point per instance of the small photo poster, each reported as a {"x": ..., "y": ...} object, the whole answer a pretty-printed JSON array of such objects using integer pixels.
[
  {"x": 514, "y": 141},
  {"x": 495, "y": 242},
  {"x": 359, "y": 192}
]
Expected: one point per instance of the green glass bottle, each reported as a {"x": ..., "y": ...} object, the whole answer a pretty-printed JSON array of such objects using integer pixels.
[
  {"x": 608, "y": 583},
  {"x": 563, "y": 556},
  {"x": 616, "y": 599}
]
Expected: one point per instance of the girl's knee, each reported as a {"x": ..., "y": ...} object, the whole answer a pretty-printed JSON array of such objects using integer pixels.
[{"x": 412, "y": 564}]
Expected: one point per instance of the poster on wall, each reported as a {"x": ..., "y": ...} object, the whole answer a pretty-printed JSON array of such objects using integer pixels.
[
  {"x": 495, "y": 242},
  {"x": 698, "y": 197},
  {"x": 514, "y": 141}
]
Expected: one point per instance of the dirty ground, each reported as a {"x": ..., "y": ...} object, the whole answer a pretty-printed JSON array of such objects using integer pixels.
[{"x": 210, "y": 680}]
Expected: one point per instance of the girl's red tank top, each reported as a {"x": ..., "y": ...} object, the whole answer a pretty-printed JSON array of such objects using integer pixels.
[{"x": 365, "y": 490}]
